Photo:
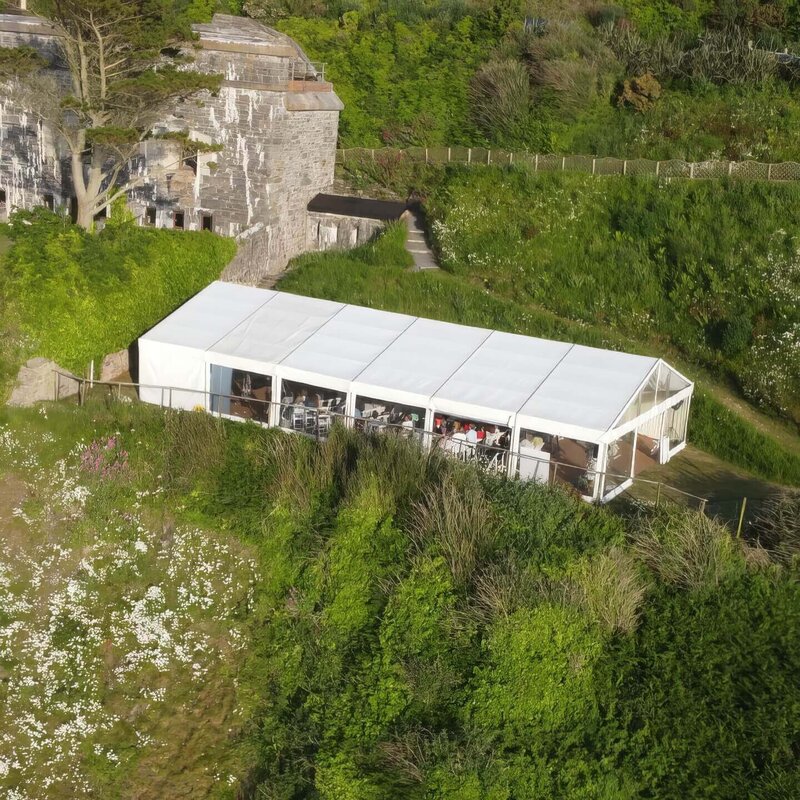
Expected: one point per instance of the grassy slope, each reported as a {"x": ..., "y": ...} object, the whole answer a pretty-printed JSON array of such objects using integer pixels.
[
  {"x": 399, "y": 643},
  {"x": 376, "y": 276},
  {"x": 122, "y": 616}
]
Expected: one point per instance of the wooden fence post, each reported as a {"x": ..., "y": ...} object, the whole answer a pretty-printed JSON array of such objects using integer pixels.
[
  {"x": 658, "y": 494},
  {"x": 594, "y": 166},
  {"x": 488, "y": 157},
  {"x": 658, "y": 168},
  {"x": 703, "y": 506},
  {"x": 625, "y": 166},
  {"x": 741, "y": 517},
  {"x": 536, "y": 163},
  {"x": 469, "y": 155},
  {"x": 769, "y": 172},
  {"x": 426, "y": 155},
  {"x": 691, "y": 170},
  {"x": 563, "y": 163},
  {"x": 448, "y": 155}
]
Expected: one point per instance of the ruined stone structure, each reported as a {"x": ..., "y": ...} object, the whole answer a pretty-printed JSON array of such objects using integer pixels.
[{"x": 275, "y": 116}]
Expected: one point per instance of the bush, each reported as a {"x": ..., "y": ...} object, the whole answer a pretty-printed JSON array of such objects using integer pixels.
[
  {"x": 640, "y": 94},
  {"x": 612, "y": 590},
  {"x": 687, "y": 549},
  {"x": 500, "y": 102},
  {"x": 102, "y": 291}
]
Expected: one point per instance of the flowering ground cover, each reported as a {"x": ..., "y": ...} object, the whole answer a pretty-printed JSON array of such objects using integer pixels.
[
  {"x": 122, "y": 625},
  {"x": 191, "y": 607}
]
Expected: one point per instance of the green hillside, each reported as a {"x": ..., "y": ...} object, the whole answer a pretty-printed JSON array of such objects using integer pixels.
[{"x": 273, "y": 617}]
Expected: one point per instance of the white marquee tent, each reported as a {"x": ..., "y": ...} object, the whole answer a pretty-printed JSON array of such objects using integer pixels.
[{"x": 613, "y": 404}]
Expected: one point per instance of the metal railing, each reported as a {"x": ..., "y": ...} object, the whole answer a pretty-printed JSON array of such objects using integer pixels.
[
  {"x": 387, "y": 158},
  {"x": 317, "y": 423}
]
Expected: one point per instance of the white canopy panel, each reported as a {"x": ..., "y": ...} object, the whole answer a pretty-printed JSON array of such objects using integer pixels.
[
  {"x": 459, "y": 369},
  {"x": 589, "y": 387},
  {"x": 209, "y": 315},
  {"x": 423, "y": 357},
  {"x": 503, "y": 372},
  {"x": 277, "y": 328},
  {"x": 348, "y": 342}
]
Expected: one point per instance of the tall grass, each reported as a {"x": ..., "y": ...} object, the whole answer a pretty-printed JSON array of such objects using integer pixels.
[{"x": 376, "y": 276}]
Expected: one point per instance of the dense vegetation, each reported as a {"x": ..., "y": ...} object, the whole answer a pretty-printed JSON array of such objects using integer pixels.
[
  {"x": 637, "y": 78},
  {"x": 377, "y": 275},
  {"x": 73, "y": 296},
  {"x": 415, "y": 629},
  {"x": 434, "y": 633},
  {"x": 710, "y": 268}
]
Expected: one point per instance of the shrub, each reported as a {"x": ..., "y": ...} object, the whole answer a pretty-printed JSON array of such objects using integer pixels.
[
  {"x": 612, "y": 590},
  {"x": 456, "y": 520},
  {"x": 777, "y": 526},
  {"x": 687, "y": 549},
  {"x": 736, "y": 336},
  {"x": 640, "y": 94},
  {"x": 539, "y": 678},
  {"x": 500, "y": 101},
  {"x": 104, "y": 290}
]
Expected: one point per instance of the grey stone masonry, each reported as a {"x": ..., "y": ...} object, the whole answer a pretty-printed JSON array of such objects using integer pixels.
[{"x": 275, "y": 117}]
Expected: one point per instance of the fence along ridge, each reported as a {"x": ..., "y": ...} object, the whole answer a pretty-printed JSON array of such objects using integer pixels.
[
  {"x": 749, "y": 169},
  {"x": 86, "y": 384}
]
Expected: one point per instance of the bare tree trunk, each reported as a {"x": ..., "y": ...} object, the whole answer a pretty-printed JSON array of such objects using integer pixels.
[
  {"x": 79, "y": 185},
  {"x": 87, "y": 186}
]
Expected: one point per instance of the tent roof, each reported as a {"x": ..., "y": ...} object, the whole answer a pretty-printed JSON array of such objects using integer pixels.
[
  {"x": 428, "y": 362},
  {"x": 589, "y": 387}
]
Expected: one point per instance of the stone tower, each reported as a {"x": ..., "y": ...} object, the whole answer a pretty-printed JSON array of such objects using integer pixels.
[{"x": 275, "y": 116}]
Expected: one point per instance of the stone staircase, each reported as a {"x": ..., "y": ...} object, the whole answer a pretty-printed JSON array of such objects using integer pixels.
[{"x": 417, "y": 241}]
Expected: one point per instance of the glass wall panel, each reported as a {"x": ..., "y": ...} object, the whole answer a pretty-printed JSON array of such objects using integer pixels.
[
  {"x": 240, "y": 393},
  {"x": 677, "y": 421},
  {"x": 571, "y": 461},
  {"x": 620, "y": 461},
  {"x": 381, "y": 416},
  {"x": 470, "y": 439},
  {"x": 669, "y": 384},
  {"x": 310, "y": 409}
]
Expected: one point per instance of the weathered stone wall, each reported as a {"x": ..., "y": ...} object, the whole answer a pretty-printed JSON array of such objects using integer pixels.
[
  {"x": 30, "y": 161},
  {"x": 278, "y": 139},
  {"x": 332, "y": 231}
]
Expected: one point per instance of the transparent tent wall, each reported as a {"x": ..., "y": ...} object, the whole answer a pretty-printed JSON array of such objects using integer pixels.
[{"x": 619, "y": 465}]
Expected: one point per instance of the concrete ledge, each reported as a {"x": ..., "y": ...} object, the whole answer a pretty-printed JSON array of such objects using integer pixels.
[
  {"x": 283, "y": 51},
  {"x": 286, "y": 86},
  {"x": 33, "y": 26},
  {"x": 312, "y": 101}
]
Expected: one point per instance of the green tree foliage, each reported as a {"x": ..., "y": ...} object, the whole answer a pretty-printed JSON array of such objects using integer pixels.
[
  {"x": 73, "y": 297},
  {"x": 124, "y": 75},
  {"x": 384, "y": 668},
  {"x": 402, "y": 82}
]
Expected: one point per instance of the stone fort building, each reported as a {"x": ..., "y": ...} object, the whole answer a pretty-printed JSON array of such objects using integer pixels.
[{"x": 275, "y": 116}]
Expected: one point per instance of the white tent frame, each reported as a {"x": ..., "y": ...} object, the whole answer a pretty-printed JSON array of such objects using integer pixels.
[{"x": 166, "y": 351}]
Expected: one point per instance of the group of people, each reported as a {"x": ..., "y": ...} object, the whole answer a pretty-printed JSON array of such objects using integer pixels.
[
  {"x": 471, "y": 439},
  {"x": 397, "y": 420}
]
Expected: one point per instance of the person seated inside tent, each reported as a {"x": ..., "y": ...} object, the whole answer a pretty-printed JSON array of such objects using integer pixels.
[
  {"x": 389, "y": 417},
  {"x": 471, "y": 439},
  {"x": 534, "y": 462}
]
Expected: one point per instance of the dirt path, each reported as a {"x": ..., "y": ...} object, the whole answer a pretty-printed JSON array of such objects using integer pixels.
[
  {"x": 699, "y": 473},
  {"x": 769, "y": 426},
  {"x": 12, "y": 494}
]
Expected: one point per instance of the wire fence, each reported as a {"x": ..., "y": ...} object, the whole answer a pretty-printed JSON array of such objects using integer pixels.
[
  {"x": 317, "y": 423},
  {"x": 388, "y": 158}
]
